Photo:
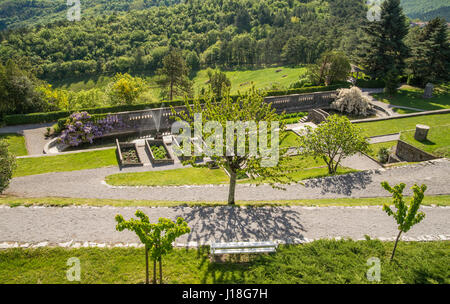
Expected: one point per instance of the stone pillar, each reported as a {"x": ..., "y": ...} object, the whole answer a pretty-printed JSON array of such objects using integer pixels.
[
  {"x": 428, "y": 92},
  {"x": 421, "y": 132}
]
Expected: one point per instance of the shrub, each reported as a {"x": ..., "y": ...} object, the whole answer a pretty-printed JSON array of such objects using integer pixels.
[
  {"x": 370, "y": 84},
  {"x": 352, "y": 101},
  {"x": 81, "y": 128},
  {"x": 7, "y": 165},
  {"x": 383, "y": 155}
]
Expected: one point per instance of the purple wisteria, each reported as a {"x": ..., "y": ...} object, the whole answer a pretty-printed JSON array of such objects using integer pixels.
[{"x": 82, "y": 128}]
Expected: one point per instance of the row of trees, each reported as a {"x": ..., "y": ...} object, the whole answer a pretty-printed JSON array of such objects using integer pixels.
[{"x": 390, "y": 49}]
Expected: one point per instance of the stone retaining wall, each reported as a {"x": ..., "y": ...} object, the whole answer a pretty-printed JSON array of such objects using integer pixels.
[{"x": 410, "y": 153}]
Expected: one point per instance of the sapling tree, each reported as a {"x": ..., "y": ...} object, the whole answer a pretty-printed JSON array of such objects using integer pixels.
[
  {"x": 157, "y": 237},
  {"x": 334, "y": 140},
  {"x": 241, "y": 135},
  {"x": 406, "y": 217}
]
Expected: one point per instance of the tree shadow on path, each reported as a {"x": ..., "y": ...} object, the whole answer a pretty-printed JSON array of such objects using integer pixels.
[{"x": 342, "y": 184}]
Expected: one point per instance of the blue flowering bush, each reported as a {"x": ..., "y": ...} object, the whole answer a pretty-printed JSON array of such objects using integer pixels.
[{"x": 81, "y": 128}]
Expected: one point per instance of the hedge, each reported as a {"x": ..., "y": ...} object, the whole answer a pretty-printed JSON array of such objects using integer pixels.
[
  {"x": 370, "y": 84},
  {"x": 34, "y": 118}
]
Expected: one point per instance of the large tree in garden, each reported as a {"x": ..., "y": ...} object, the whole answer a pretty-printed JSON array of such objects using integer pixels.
[
  {"x": 334, "y": 140},
  {"x": 430, "y": 48},
  {"x": 174, "y": 75},
  {"x": 157, "y": 237},
  {"x": 383, "y": 50},
  {"x": 234, "y": 137},
  {"x": 405, "y": 216},
  {"x": 7, "y": 165},
  {"x": 331, "y": 67}
]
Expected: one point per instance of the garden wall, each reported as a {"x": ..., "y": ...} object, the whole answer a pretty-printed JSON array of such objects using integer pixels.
[{"x": 410, "y": 153}]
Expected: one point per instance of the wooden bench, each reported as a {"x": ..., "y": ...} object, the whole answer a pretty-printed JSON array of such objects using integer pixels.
[{"x": 242, "y": 248}]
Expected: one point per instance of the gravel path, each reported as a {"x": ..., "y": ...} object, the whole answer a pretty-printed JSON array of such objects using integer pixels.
[
  {"x": 90, "y": 184},
  {"x": 384, "y": 138},
  {"x": 285, "y": 224}
]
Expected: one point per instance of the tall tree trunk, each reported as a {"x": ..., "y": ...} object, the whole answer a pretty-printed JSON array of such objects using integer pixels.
[
  {"x": 160, "y": 271},
  {"x": 395, "y": 246},
  {"x": 154, "y": 271},
  {"x": 171, "y": 91},
  {"x": 232, "y": 190},
  {"x": 146, "y": 266}
]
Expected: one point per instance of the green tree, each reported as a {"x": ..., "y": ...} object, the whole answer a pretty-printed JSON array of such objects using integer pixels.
[
  {"x": 174, "y": 75},
  {"x": 218, "y": 82},
  {"x": 334, "y": 140},
  {"x": 430, "y": 60},
  {"x": 406, "y": 217},
  {"x": 125, "y": 89},
  {"x": 295, "y": 50},
  {"x": 383, "y": 49},
  {"x": 332, "y": 67},
  {"x": 157, "y": 237},
  {"x": 7, "y": 165},
  {"x": 245, "y": 121}
]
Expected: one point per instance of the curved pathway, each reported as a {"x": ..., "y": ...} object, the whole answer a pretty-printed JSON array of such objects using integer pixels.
[{"x": 90, "y": 184}]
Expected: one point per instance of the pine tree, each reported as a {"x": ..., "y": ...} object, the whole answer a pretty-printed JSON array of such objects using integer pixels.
[
  {"x": 430, "y": 61},
  {"x": 173, "y": 75},
  {"x": 383, "y": 51}
]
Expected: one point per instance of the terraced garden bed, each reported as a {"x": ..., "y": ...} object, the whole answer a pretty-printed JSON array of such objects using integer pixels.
[
  {"x": 158, "y": 152},
  {"x": 128, "y": 155}
]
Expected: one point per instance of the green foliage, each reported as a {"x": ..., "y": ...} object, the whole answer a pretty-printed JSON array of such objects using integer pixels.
[
  {"x": 226, "y": 34},
  {"x": 383, "y": 49},
  {"x": 157, "y": 237},
  {"x": 333, "y": 140},
  {"x": 430, "y": 60},
  {"x": 125, "y": 89},
  {"x": 426, "y": 10},
  {"x": 7, "y": 165},
  {"x": 383, "y": 155},
  {"x": 332, "y": 67},
  {"x": 174, "y": 76},
  {"x": 159, "y": 152},
  {"x": 219, "y": 83},
  {"x": 406, "y": 217}
]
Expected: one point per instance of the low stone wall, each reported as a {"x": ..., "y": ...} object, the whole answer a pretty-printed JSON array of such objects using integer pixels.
[
  {"x": 317, "y": 116},
  {"x": 409, "y": 153}
]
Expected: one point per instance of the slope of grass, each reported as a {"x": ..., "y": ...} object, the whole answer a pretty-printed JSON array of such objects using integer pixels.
[
  {"x": 438, "y": 142},
  {"x": 375, "y": 148},
  {"x": 441, "y": 200},
  {"x": 403, "y": 124},
  {"x": 16, "y": 144},
  {"x": 68, "y": 162},
  {"x": 409, "y": 96},
  {"x": 325, "y": 261}
]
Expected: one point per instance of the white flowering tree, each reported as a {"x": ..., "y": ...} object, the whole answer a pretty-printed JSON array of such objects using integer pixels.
[{"x": 352, "y": 101}]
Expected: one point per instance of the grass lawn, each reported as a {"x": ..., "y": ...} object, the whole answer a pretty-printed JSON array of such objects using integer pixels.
[
  {"x": 16, "y": 144},
  {"x": 375, "y": 148},
  {"x": 403, "y": 124},
  {"x": 409, "y": 96},
  {"x": 176, "y": 177},
  {"x": 67, "y": 162},
  {"x": 291, "y": 140},
  {"x": 325, "y": 261},
  {"x": 310, "y": 168},
  {"x": 441, "y": 200},
  {"x": 438, "y": 142}
]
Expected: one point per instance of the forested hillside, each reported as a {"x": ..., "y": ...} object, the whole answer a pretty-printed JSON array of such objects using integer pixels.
[
  {"x": 426, "y": 10},
  {"x": 221, "y": 33},
  {"x": 22, "y": 13}
]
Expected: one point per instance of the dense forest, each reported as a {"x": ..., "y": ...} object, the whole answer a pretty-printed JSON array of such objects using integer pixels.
[
  {"x": 426, "y": 10},
  {"x": 213, "y": 33}
]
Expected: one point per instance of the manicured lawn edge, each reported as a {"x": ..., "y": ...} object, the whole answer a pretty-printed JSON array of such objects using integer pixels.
[{"x": 440, "y": 200}]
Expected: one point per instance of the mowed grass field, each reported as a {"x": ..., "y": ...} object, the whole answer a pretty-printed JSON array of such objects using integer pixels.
[
  {"x": 241, "y": 80},
  {"x": 324, "y": 261},
  {"x": 16, "y": 144},
  {"x": 412, "y": 97},
  {"x": 67, "y": 162}
]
